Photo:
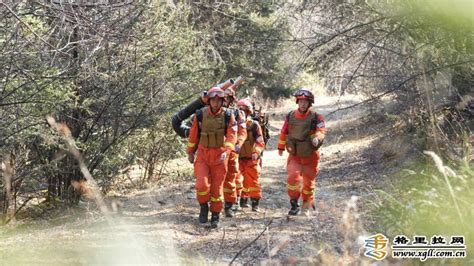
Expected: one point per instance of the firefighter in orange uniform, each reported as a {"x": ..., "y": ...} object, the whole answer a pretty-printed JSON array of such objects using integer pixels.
[
  {"x": 213, "y": 136},
  {"x": 302, "y": 134},
  {"x": 249, "y": 159},
  {"x": 230, "y": 191}
]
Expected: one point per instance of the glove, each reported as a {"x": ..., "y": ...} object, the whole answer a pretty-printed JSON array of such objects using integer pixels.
[
  {"x": 254, "y": 156},
  {"x": 280, "y": 152},
  {"x": 237, "y": 148},
  {"x": 191, "y": 157},
  {"x": 315, "y": 141},
  {"x": 223, "y": 156}
]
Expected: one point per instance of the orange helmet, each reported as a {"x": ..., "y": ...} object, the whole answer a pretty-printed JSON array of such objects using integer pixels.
[
  {"x": 304, "y": 93},
  {"x": 245, "y": 105},
  {"x": 215, "y": 92}
]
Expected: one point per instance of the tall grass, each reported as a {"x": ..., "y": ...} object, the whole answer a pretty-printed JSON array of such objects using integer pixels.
[{"x": 433, "y": 199}]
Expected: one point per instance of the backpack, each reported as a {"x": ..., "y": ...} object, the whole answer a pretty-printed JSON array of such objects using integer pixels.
[{"x": 262, "y": 119}]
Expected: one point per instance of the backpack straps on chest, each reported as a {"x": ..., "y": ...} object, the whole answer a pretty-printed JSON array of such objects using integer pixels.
[
  {"x": 199, "y": 115},
  {"x": 289, "y": 115},
  {"x": 227, "y": 115},
  {"x": 314, "y": 121}
]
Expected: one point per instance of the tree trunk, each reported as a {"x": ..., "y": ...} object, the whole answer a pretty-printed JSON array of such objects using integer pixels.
[{"x": 8, "y": 172}]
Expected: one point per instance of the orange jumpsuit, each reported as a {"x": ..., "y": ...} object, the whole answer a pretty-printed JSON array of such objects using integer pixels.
[
  {"x": 230, "y": 191},
  {"x": 302, "y": 169},
  {"x": 209, "y": 170},
  {"x": 249, "y": 177}
]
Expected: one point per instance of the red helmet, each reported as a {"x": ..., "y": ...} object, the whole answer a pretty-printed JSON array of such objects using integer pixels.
[
  {"x": 304, "y": 93},
  {"x": 215, "y": 92},
  {"x": 245, "y": 105}
]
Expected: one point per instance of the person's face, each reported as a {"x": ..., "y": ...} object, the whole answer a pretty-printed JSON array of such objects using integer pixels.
[
  {"x": 303, "y": 105},
  {"x": 216, "y": 103}
]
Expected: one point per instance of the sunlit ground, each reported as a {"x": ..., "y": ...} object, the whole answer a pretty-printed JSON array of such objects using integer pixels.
[{"x": 75, "y": 243}]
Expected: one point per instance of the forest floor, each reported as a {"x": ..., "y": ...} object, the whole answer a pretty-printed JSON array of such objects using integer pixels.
[{"x": 159, "y": 225}]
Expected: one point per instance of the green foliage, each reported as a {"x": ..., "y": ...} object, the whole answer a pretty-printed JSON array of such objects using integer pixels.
[
  {"x": 431, "y": 200},
  {"x": 113, "y": 75},
  {"x": 442, "y": 29},
  {"x": 307, "y": 80},
  {"x": 246, "y": 39}
]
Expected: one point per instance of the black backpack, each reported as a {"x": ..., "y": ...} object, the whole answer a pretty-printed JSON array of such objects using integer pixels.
[{"x": 262, "y": 119}]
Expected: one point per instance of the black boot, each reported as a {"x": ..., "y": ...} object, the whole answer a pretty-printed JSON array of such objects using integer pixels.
[
  {"x": 255, "y": 205},
  {"x": 295, "y": 207},
  {"x": 203, "y": 214},
  {"x": 236, "y": 206},
  {"x": 214, "y": 220},
  {"x": 244, "y": 203},
  {"x": 228, "y": 209}
]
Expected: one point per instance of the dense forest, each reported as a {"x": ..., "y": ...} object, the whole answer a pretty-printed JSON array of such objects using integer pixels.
[{"x": 93, "y": 85}]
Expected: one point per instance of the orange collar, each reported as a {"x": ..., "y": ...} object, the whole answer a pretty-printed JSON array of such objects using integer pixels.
[
  {"x": 300, "y": 115},
  {"x": 214, "y": 114}
]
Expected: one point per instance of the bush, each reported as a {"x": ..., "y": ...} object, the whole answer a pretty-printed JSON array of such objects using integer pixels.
[{"x": 433, "y": 200}]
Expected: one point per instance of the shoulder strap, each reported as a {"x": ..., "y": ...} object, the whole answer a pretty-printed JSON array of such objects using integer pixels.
[
  {"x": 255, "y": 118},
  {"x": 254, "y": 129},
  {"x": 236, "y": 113},
  {"x": 289, "y": 115},
  {"x": 265, "y": 119},
  {"x": 199, "y": 116},
  {"x": 227, "y": 115},
  {"x": 314, "y": 121}
]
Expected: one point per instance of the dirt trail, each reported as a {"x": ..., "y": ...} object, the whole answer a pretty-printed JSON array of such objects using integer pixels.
[
  {"x": 346, "y": 170},
  {"x": 160, "y": 225}
]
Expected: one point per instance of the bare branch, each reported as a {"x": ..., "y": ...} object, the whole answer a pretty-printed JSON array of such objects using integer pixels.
[
  {"x": 30, "y": 29},
  {"x": 413, "y": 77},
  {"x": 251, "y": 242}
]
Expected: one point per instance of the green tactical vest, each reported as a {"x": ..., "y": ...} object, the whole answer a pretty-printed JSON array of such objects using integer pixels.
[
  {"x": 247, "y": 148},
  {"x": 212, "y": 129},
  {"x": 298, "y": 141}
]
